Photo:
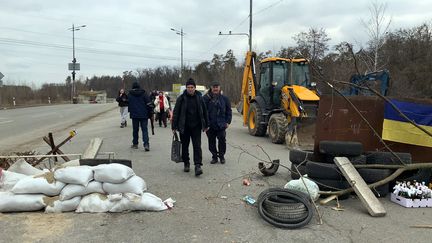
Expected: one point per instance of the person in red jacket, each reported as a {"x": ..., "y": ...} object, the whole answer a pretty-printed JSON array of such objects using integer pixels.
[{"x": 161, "y": 108}]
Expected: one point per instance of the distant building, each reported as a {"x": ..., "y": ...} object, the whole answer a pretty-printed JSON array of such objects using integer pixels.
[{"x": 91, "y": 97}]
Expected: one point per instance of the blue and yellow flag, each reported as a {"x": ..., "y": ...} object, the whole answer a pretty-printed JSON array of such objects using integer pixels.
[{"x": 398, "y": 129}]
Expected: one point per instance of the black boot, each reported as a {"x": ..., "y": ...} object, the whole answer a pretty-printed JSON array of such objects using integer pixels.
[
  {"x": 186, "y": 167},
  {"x": 222, "y": 160},
  {"x": 198, "y": 170},
  {"x": 213, "y": 161},
  {"x": 125, "y": 124}
]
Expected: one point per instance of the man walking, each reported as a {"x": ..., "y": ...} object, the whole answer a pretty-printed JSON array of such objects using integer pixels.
[
  {"x": 140, "y": 111},
  {"x": 220, "y": 115},
  {"x": 122, "y": 100},
  {"x": 190, "y": 118}
]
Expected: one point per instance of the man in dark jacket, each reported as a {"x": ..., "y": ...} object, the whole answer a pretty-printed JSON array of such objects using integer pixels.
[
  {"x": 220, "y": 115},
  {"x": 122, "y": 100},
  {"x": 189, "y": 118},
  {"x": 140, "y": 110}
]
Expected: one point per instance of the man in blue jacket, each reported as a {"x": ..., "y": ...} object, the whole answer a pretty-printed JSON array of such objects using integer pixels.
[
  {"x": 220, "y": 115},
  {"x": 140, "y": 111}
]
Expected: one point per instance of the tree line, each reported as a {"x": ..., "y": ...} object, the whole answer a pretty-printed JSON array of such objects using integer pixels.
[{"x": 406, "y": 53}]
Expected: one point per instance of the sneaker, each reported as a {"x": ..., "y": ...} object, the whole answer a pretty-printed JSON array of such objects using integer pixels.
[
  {"x": 222, "y": 160},
  {"x": 198, "y": 170},
  {"x": 134, "y": 146},
  {"x": 147, "y": 147},
  {"x": 186, "y": 167},
  {"x": 125, "y": 124},
  {"x": 213, "y": 161}
]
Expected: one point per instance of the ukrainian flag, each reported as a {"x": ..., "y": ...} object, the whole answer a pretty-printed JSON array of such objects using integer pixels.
[{"x": 397, "y": 129}]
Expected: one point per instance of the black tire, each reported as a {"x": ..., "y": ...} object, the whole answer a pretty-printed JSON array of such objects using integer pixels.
[
  {"x": 323, "y": 171},
  {"x": 355, "y": 160},
  {"x": 287, "y": 223},
  {"x": 297, "y": 156},
  {"x": 278, "y": 127},
  {"x": 422, "y": 175},
  {"x": 284, "y": 218},
  {"x": 374, "y": 175},
  {"x": 341, "y": 148},
  {"x": 387, "y": 158},
  {"x": 95, "y": 162},
  {"x": 294, "y": 174},
  {"x": 270, "y": 170},
  {"x": 333, "y": 185},
  {"x": 256, "y": 124}
]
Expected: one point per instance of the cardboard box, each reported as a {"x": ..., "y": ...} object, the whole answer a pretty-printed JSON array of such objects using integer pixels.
[{"x": 411, "y": 203}]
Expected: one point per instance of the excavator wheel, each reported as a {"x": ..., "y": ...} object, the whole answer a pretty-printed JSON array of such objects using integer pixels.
[
  {"x": 278, "y": 127},
  {"x": 256, "y": 124}
]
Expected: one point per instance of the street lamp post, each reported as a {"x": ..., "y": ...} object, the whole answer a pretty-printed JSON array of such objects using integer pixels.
[
  {"x": 74, "y": 63},
  {"x": 246, "y": 34},
  {"x": 250, "y": 28},
  {"x": 181, "y": 33}
]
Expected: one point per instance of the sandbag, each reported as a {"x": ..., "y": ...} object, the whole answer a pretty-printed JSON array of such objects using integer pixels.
[
  {"x": 145, "y": 202},
  {"x": 135, "y": 185},
  {"x": 45, "y": 184},
  {"x": 8, "y": 179},
  {"x": 10, "y": 202},
  {"x": 95, "y": 203},
  {"x": 112, "y": 173},
  {"x": 22, "y": 167},
  {"x": 80, "y": 175},
  {"x": 72, "y": 190},
  {"x": 55, "y": 205},
  {"x": 310, "y": 187}
]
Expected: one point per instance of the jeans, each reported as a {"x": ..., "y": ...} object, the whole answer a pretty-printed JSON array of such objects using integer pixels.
[
  {"x": 221, "y": 137},
  {"x": 195, "y": 134},
  {"x": 123, "y": 114},
  {"x": 136, "y": 122}
]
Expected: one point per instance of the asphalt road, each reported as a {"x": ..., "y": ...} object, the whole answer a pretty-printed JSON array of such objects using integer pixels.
[
  {"x": 21, "y": 126},
  {"x": 200, "y": 214}
]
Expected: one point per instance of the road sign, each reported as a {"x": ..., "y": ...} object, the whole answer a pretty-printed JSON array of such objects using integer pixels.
[
  {"x": 71, "y": 66},
  {"x": 1, "y": 75}
]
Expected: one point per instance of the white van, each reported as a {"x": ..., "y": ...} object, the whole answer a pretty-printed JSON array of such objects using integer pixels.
[{"x": 201, "y": 88}]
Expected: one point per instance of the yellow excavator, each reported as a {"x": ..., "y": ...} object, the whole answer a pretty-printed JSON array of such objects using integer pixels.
[{"x": 282, "y": 99}]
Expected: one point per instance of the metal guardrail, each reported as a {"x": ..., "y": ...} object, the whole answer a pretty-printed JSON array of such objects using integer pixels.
[{"x": 54, "y": 155}]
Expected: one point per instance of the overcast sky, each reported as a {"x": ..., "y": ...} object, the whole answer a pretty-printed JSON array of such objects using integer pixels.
[{"x": 36, "y": 45}]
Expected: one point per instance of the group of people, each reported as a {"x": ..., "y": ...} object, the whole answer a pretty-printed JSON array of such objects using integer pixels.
[{"x": 193, "y": 113}]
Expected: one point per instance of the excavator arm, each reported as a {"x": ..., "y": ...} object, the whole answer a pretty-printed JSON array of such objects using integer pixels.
[{"x": 248, "y": 85}]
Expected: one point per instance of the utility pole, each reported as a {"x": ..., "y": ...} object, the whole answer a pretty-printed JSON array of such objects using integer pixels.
[
  {"x": 181, "y": 34},
  {"x": 74, "y": 66},
  {"x": 250, "y": 25}
]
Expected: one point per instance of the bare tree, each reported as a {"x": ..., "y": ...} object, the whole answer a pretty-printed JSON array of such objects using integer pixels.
[
  {"x": 377, "y": 26},
  {"x": 313, "y": 44}
]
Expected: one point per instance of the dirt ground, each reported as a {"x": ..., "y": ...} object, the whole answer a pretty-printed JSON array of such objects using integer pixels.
[{"x": 208, "y": 208}]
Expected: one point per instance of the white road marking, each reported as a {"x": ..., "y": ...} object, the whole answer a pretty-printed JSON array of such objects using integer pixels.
[{"x": 4, "y": 122}]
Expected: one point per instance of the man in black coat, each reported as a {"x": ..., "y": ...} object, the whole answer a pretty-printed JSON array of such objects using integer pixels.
[
  {"x": 140, "y": 111},
  {"x": 220, "y": 115},
  {"x": 190, "y": 118}
]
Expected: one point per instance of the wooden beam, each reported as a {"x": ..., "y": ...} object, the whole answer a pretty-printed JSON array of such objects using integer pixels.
[
  {"x": 65, "y": 158},
  {"x": 372, "y": 204},
  {"x": 93, "y": 148}
]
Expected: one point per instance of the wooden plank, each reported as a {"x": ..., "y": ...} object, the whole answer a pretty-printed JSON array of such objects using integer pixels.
[
  {"x": 372, "y": 204},
  {"x": 65, "y": 158},
  {"x": 93, "y": 148}
]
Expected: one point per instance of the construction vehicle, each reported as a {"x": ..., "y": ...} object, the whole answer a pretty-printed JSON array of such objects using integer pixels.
[
  {"x": 282, "y": 99},
  {"x": 379, "y": 80}
]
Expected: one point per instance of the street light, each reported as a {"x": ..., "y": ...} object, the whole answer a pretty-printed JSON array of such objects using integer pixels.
[
  {"x": 181, "y": 33},
  {"x": 246, "y": 34},
  {"x": 74, "y": 65}
]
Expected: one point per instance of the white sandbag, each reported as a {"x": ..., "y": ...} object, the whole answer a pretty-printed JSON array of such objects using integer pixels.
[
  {"x": 8, "y": 179},
  {"x": 72, "y": 190},
  {"x": 145, "y": 202},
  {"x": 22, "y": 167},
  {"x": 74, "y": 162},
  {"x": 112, "y": 173},
  {"x": 298, "y": 185},
  {"x": 55, "y": 205},
  {"x": 45, "y": 184},
  {"x": 80, "y": 175},
  {"x": 95, "y": 203},
  {"x": 115, "y": 197},
  {"x": 135, "y": 185},
  {"x": 10, "y": 202}
]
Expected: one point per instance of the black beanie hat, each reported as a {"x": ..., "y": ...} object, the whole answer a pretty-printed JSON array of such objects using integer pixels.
[
  {"x": 190, "y": 82},
  {"x": 135, "y": 85}
]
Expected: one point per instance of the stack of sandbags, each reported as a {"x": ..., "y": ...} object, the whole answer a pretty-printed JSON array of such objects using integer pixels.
[{"x": 102, "y": 188}]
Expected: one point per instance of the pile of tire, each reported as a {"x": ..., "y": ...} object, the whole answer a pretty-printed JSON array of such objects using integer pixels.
[
  {"x": 285, "y": 208},
  {"x": 321, "y": 168}
]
